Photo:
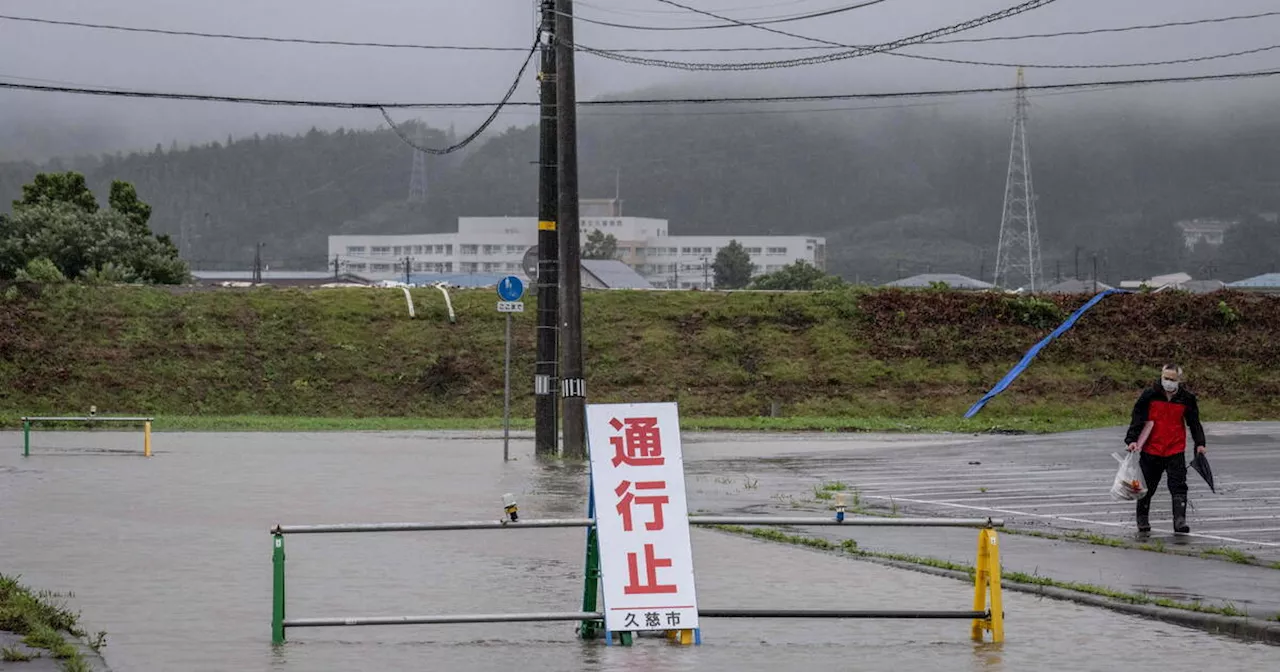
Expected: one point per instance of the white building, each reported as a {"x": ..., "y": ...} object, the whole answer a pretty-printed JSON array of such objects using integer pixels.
[{"x": 498, "y": 244}]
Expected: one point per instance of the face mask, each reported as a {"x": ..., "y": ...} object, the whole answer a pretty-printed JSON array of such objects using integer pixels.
[{"x": 1169, "y": 385}]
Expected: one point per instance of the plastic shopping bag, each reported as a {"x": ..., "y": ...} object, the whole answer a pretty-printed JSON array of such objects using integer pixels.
[{"x": 1129, "y": 483}]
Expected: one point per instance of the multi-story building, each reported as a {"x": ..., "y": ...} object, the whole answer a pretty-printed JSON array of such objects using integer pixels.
[{"x": 498, "y": 244}]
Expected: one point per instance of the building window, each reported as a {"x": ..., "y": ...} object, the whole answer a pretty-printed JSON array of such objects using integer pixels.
[
  {"x": 754, "y": 250},
  {"x": 777, "y": 251},
  {"x": 417, "y": 249},
  {"x": 470, "y": 249},
  {"x": 356, "y": 268},
  {"x": 380, "y": 251},
  {"x": 469, "y": 267},
  {"x": 380, "y": 268},
  {"x": 492, "y": 249},
  {"x": 513, "y": 249},
  {"x": 355, "y": 249}
]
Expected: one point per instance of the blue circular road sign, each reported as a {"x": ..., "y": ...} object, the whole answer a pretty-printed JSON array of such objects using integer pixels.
[{"x": 510, "y": 288}]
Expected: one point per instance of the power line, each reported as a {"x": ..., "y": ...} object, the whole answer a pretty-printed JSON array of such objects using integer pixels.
[
  {"x": 733, "y": 23},
  {"x": 853, "y": 52},
  {"x": 481, "y": 48},
  {"x": 1093, "y": 66},
  {"x": 497, "y": 109},
  {"x": 623, "y": 102}
]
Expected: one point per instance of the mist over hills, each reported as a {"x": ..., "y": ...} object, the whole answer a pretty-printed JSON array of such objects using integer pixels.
[{"x": 898, "y": 187}]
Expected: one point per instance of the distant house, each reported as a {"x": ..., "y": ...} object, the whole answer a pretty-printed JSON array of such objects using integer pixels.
[
  {"x": 952, "y": 280},
  {"x": 1169, "y": 281},
  {"x": 1267, "y": 282},
  {"x": 1208, "y": 231},
  {"x": 611, "y": 274},
  {"x": 279, "y": 278}
]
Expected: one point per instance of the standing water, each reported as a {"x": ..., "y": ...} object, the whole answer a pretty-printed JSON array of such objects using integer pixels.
[{"x": 172, "y": 557}]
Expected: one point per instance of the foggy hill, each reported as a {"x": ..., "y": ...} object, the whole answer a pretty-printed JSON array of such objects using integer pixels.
[{"x": 897, "y": 189}]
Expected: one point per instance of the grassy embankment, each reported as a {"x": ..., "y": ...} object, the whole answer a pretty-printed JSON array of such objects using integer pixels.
[
  {"x": 41, "y": 620},
  {"x": 287, "y": 359}
]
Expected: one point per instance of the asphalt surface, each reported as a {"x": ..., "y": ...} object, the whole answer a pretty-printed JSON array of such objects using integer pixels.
[
  {"x": 1057, "y": 484},
  {"x": 1062, "y": 483}
]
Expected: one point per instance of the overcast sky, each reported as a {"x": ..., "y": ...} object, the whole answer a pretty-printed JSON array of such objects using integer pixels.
[{"x": 43, "y": 54}]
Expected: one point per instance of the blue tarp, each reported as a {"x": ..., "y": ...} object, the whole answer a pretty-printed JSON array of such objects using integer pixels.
[{"x": 1035, "y": 350}]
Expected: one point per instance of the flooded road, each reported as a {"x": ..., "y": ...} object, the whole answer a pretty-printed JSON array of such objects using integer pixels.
[{"x": 171, "y": 556}]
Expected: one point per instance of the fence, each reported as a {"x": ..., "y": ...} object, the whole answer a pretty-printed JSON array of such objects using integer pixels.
[
  {"x": 987, "y": 614},
  {"x": 27, "y": 422}
]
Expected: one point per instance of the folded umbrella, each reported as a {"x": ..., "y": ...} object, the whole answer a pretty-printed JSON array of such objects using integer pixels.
[{"x": 1201, "y": 464}]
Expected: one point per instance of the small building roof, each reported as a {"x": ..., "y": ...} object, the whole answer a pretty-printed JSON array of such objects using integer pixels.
[
  {"x": 953, "y": 280},
  {"x": 614, "y": 274},
  {"x": 1264, "y": 281},
  {"x": 1077, "y": 286}
]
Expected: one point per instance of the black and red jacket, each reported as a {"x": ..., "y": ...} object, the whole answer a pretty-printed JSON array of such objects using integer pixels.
[{"x": 1172, "y": 418}]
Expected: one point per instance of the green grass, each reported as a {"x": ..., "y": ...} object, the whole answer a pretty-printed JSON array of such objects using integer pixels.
[
  {"x": 850, "y": 547},
  {"x": 288, "y": 423},
  {"x": 11, "y": 655},
  {"x": 41, "y": 618},
  {"x": 1157, "y": 546},
  {"x": 840, "y": 361}
]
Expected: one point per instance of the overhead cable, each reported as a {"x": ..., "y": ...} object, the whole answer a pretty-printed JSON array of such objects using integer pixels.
[
  {"x": 459, "y": 47},
  {"x": 733, "y": 23},
  {"x": 853, "y": 52},
  {"x": 623, "y": 102}
]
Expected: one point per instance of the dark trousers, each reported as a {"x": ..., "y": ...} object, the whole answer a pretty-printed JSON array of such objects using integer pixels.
[{"x": 1153, "y": 467}]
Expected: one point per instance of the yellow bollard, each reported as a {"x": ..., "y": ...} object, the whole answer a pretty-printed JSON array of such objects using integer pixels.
[
  {"x": 986, "y": 588},
  {"x": 146, "y": 438}
]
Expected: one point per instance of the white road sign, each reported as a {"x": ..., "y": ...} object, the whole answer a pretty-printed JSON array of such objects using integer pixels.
[
  {"x": 642, "y": 517},
  {"x": 511, "y": 306}
]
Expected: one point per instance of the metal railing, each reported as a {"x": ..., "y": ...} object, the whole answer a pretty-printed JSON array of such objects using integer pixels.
[
  {"x": 90, "y": 419},
  {"x": 987, "y": 613}
]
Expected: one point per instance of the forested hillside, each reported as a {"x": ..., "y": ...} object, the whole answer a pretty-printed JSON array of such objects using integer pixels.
[{"x": 903, "y": 191}]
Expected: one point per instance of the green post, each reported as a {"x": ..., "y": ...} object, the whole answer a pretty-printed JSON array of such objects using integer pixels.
[
  {"x": 590, "y": 588},
  {"x": 26, "y": 437},
  {"x": 277, "y": 592}
]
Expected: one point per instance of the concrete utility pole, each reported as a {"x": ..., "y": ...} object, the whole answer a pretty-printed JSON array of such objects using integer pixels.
[
  {"x": 573, "y": 386},
  {"x": 546, "y": 417}
]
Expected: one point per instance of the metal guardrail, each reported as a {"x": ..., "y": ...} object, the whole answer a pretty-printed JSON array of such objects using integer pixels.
[
  {"x": 27, "y": 420},
  {"x": 987, "y": 614}
]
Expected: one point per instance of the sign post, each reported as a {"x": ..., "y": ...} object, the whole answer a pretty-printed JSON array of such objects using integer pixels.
[
  {"x": 642, "y": 520},
  {"x": 510, "y": 291}
]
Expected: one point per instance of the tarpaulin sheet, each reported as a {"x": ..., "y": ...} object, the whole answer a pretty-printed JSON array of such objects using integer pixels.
[{"x": 1035, "y": 350}]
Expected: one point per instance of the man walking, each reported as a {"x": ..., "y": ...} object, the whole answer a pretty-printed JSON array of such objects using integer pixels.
[{"x": 1171, "y": 409}]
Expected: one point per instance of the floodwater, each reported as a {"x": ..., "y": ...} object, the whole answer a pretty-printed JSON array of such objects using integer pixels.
[{"x": 172, "y": 557}]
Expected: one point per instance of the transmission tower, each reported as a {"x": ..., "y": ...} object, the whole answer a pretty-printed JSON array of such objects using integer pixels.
[
  {"x": 1018, "y": 253},
  {"x": 418, "y": 180}
]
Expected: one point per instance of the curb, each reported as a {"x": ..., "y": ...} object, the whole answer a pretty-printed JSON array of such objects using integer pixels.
[{"x": 1240, "y": 627}]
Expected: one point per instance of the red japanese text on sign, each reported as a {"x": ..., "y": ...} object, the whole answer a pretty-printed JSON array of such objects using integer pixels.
[
  {"x": 640, "y": 444},
  {"x": 628, "y": 499},
  {"x": 651, "y": 563}
]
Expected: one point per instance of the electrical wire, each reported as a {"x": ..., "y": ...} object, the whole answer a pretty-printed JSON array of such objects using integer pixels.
[
  {"x": 623, "y": 102},
  {"x": 497, "y": 109},
  {"x": 732, "y": 23},
  {"x": 451, "y": 47},
  {"x": 853, "y": 52},
  {"x": 1041, "y": 66}
]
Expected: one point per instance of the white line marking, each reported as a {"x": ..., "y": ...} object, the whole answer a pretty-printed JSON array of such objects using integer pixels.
[
  {"x": 1086, "y": 521},
  {"x": 1255, "y": 530}
]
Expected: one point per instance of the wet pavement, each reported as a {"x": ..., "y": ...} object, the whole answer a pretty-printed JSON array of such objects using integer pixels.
[
  {"x": 1053, "y": 483},
  {"x": 171, "y": 556}
]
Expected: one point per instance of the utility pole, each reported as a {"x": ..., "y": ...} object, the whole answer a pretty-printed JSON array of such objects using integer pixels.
[
  {"x": 335, "y": 267},
  {"x": 546, "y": 416},
  {"x": 257, "y": 264},
  {"x": 1077, "y": 276},
  {"x": 1095, "y": 272},
  {"x": 406, "y": 270},
  {"x": 573, "y": 386},
  {"x": 706, "y": 275}
]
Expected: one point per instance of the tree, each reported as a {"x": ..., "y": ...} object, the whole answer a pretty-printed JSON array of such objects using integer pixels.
[
  {"x": 798, "y": 276},
  {"x": 58, "y": 222},
  {"x": 600, "y": 246},
  {"x": 733, "y": 267},
  {"x": 50, "y": 188}
]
